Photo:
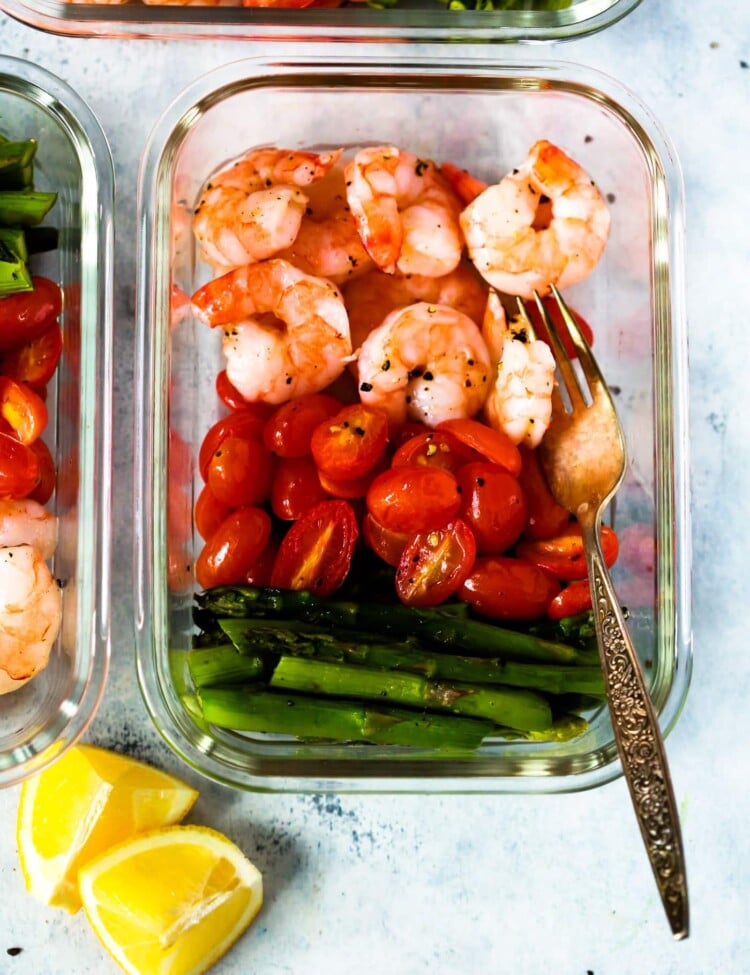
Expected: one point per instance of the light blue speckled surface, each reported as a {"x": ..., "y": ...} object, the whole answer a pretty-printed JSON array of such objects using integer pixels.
[{"x": 517, "y": 885}]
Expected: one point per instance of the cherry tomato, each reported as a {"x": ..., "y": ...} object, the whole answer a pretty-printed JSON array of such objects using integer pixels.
[
  {"x": 404, "y": 432},
  {"x": 434, "y": 448},
  {"x": 386, "y": 544},
  {"x": 209, "y": 513},
  {"x": 493, "y": 445},
  {"x": 316, "y": 553},
  {"x": 563, "y": 555},
  {"x": 247, "y": 423},
  {"x": 544, "y": 516},
  {"x": 573, "y": 599},
  {"x": 493, "y": 506},
  {"x": 19, "y": 468},
  {"x": 232, "y": 398},
  {"x": 259, "y": 573},
  {"x": 179, "y": 515},
  {"x": 506, "y": 588},
  {"x": 553, "y": 311},
  {"x": 289, "y": 430},
  {"x": 24, "y": 316},
  {"x": 241, "y": 472},
  {"x": 295, "y": 487},
  {"x": 35, "y": 362},
  {"x": 235, "y": 545},
  {"x": 47, "y": 472},
  {"x": 353, "y": 487},
  {"x": 434, "y": 564},
  {"x": 23, "y": 409},
  {"x": 414, "y": 499},
  {"x": 350, "y": 443},
  {"x": 179, "y": 458}
]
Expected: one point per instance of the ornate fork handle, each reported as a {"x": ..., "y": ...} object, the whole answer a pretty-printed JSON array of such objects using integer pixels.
[{"x": 638, "y": 736}]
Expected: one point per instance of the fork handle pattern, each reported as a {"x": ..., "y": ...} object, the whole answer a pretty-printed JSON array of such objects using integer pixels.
[{"x": 639, "y": 741}]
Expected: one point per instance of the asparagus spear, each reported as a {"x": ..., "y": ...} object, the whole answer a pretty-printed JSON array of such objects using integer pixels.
[
  {"x": 223, "y": 665},
  {"x": 16, "y": 169},
  {"x": 438, "y": 626},
  {"x": 511, "y": 707},
  {"x": 24, "y": 208},
  {"x": 253, "y": 709},
  {"x": 334, "y": 645}
]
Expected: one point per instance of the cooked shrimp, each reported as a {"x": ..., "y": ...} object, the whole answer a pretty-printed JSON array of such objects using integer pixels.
[
  {"x": 520, "y": 399},
  {"x": 373, "y": 296},
  {"x": 425, "y": 362},
  {"x": 466, "y": 186},
  {"x": 328, "y": 244},
  {"x": 27, "y": 522},
  {"x": 546, "y": 223},
  {"x": 30, "y": 614},
  {"x": 286, "y": 333},
  {"x": 253, "y": 209},
  {"x": 406, "y": 212}
]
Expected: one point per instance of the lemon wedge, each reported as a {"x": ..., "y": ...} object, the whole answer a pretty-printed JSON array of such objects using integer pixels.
[
  {"x": 172, "y": 901},
  {"x": 82, "y": 804}
]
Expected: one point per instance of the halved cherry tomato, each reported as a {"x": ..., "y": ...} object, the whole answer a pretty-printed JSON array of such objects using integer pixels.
[
  {"x": 247, "y": 423},
  {"x": 353, "y": 487},
  {"x": 434, "y": 448},
  {"x": 289, "y": 430},
  {"x": 232, "y": 398},
  {"x": 434, "y": 564},
  {"x": 241, "y": 472},
  {"x": 414, "y": 499},
  {"x": 235, "y": 545},
  {"x": 23, "y": 409},
  {"x": 209, "y": 513},
  {"x": 19, "y": 468},
  {"x": 386, "y": 544},
  {"x": 544, "y": 516},
  {"x": 24, "y": 316},
  {"x": 553, "y": 311},
  {"x": 573, "y": 599},
  {"x": 493, "y": 505},
  {"x": 493, "y": 445},
  {"x": 295, "y": 487},
  {"x": 47, "y": 472},
  {"x": 259, "y": 573},
  {"x": 506, "y": 588},
  {"x": 316, "y": 553},
  {"x": 563, "y": 555},
  {"x": 350, "y": 443},
  {"x": 35, "y": 362}
]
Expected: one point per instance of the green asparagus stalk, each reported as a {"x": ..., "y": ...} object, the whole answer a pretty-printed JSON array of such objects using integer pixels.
[
  {"x": 223, "y": 665},
  {"x": 16, "y": 164},
  {"x": 438, "y": 626},
  {"x": 24, "y": 208},
  {"x": 511, "y": 707},
  {"x": 335, "y": 645},
  {"x": 253, "y": 709},
  {"x": 14, "y": 274}
]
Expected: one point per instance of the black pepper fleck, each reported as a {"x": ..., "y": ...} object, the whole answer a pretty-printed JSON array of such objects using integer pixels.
[{"x": 365, "y": 387}]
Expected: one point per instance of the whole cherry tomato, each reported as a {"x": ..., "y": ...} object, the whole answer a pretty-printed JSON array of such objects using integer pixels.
[
  {"x": 247, "y": 423},
  {"x": 570, "y": 601},
  {"x": 35, "y": 362},
  {"x": 24, "y": 316},
  {"x": 316, "y": 553},
  {"x": 544, "y": 516},
  {"x": 179, "y": 458},
  {"x": 209, "y": 513},
  {"x": 493, "y": 445},
  {"x": 553, "y": 311},
  {"x": 507, "y": 588},
  {"x": 19, "y": 468},
  {"x": 259, "y": 573},
  {"x": 434, "y": 448},
  {"x": 493, "y": 505},
  {"x": 241, "y": 472},
  {"x": 564, "y": 555},
  {"x": 47, "y": 472},
  {"x": 295, "y": 487},
  {"x": 289, "y": 430},
  {"x": 414, "y": 499},
  {"x": 387, "y": 544},
  {"x": 23, "y": 409},
  {"x": 349, "y": 444},
  {"x": 233, "y": 548},
  {"x": 232, "y": 398},
  {"x": 434, "y": 564}
]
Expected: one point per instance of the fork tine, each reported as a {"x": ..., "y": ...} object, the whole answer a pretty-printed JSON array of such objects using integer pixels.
[
  {"x": 576, "y": 393},
  {"x": 526, "y": 321},
  {"x": 589, "y": 365}
]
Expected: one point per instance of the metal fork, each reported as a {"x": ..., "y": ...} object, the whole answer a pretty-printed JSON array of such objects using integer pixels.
[{"x": 583, "y": 456}]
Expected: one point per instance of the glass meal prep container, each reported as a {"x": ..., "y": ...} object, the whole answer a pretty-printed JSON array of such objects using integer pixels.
[
  {"x": 50, "y": 712},
  {"x": 484, "y": 117},
  {"x": 415, "y": 20}
]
